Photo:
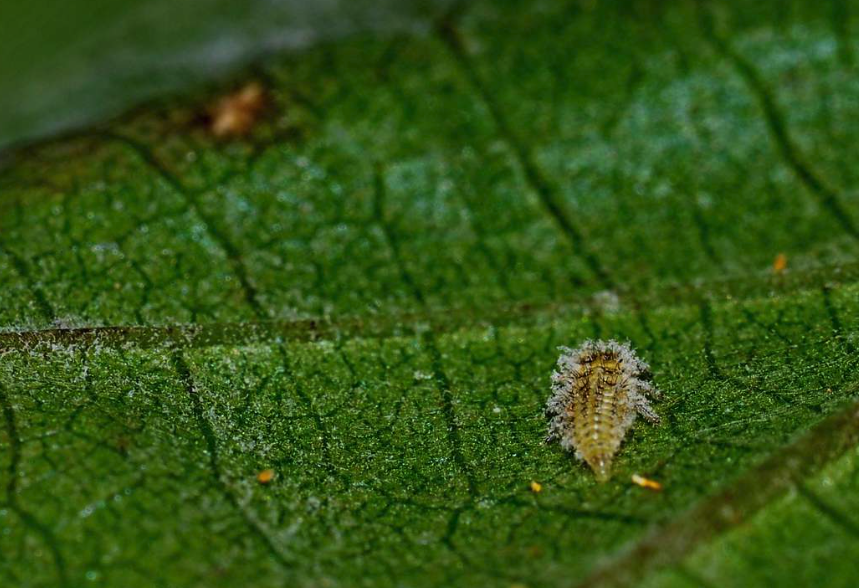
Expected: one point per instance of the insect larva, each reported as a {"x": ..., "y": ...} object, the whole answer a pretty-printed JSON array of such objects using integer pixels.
[{"x": 597, "y": 391}]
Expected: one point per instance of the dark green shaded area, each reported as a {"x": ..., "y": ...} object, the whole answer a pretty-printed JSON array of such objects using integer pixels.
[
  {"x": 809, "y": 534},
  {"x": 66, "y": 64},
  {"x": 367, "y": 293}
]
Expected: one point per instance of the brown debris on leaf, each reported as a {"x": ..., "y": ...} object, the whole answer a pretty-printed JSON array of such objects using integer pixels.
[{"x": 235, "y": 114}]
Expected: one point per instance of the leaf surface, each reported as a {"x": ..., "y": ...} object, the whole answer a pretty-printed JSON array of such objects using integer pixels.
[{"x": 366, "y": 295}]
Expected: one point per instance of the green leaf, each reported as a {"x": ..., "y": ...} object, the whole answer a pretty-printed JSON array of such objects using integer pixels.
[
  {"x": 366, "y": 295},
  {"x": 808, "y": 535}
]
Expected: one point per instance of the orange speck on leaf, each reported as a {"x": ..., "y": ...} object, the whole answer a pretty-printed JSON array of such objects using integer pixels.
[
  {"x": 646, "y": 483},
  {"x": 265, "y": 476},
  {"x": 536, "y": 487},
  {"x": 235, "y": 114},
  {"x": 780, "y": 263}
]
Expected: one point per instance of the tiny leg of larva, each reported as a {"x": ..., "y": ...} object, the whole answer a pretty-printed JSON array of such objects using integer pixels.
[
  {"x": 642, "y": 407},
  {"x": 647, "y": 389}
]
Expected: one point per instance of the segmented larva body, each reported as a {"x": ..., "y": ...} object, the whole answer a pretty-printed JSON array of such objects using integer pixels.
[{"x": 597, "y": 391}]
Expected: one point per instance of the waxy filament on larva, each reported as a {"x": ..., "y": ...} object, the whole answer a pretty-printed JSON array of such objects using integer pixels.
[{"x": 597, "y": 391}]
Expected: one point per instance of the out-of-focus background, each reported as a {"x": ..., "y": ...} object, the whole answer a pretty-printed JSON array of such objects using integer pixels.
[{"x": 63, "y": 63}]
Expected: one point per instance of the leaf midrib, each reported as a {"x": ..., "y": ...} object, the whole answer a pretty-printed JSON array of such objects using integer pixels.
[{"x": 750, "y": 287}]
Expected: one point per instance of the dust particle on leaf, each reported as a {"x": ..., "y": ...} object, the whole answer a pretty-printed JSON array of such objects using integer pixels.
[
  {"x": 607, "y": 301},
  {"x": 597, "y": 391},
  {"x": 265, "y": 476},
  {"x": 235, "y": 114}
]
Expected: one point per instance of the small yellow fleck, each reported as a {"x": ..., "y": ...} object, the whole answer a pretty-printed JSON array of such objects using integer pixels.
[
  {"x": 536, "y": 487},
  {"x": 646, "y": 483},
  {"x": 265, "y": 476},
  {"x": 780, "y": 263}
]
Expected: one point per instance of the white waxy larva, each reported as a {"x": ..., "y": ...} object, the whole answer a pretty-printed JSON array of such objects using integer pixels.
[{"x": 597, "y": 391}]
